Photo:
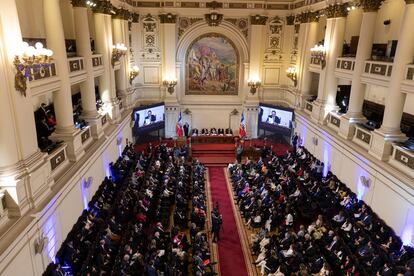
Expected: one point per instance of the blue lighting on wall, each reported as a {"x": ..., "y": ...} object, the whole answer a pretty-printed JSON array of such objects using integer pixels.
[
  {"x": 408, "y": 230},
  {"x": 49, "y": 228},
  {"x": 326, "y": 154},
  {"x": 84, "y": 192}
]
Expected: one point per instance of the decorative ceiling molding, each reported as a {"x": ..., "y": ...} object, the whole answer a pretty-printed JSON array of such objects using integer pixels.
[
  {"x": 336, "y": 10},
  {"x": 185, "y": 22},
  {"x": 290, "y": 20},
  {"x": 79, "y": 3},
  {"x": 371, "y": 5},
  {"x": 105, "y": 7}
]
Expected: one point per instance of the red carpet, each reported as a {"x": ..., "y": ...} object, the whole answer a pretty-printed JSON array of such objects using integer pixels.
[{"x": 231, "y": 260}]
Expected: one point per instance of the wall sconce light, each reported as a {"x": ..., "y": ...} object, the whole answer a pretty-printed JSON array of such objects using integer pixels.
[
  {"x": 133, "y": 73},
  {"x": 39, "y": 244},
  {"x": 118, "y": 50},
  {"x": 254, "y": 84},
  {"x": 291, "y": 74},
  {"x": 28, "y": 61},
  {"x": 170, "y": 84},
  {"x": 318, "y": 52}
]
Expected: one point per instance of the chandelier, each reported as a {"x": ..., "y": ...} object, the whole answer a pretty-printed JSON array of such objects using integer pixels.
[
  {"x": 118, "y": 50},
  {"x": 318, "y": 52},
  {"x": 28, "y": 61}
]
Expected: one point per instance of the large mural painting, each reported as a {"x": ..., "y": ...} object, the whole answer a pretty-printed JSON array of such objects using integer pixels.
[{"x": 212, "y": 66}]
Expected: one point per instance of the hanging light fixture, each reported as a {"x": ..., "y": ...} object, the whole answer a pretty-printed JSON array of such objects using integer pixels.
[
  {"x": 28, "y": 61},
  {"x": 118, "y": 50},
  {"x": 254, "y": 84},
  {"x": 292, "y": 74},
  {"x": 170, "y": 83},
  {"x": 133, "y": 73}
]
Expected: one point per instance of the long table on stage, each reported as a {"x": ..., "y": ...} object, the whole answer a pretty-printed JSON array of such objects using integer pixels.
[{"x": 212, "y": 139}]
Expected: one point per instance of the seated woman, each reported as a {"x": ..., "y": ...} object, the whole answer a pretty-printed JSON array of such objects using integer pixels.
[
  {"x": 213, "y": 131},
  {"x": 194, "y": 132},
  {"x": 205, "y": 131}
]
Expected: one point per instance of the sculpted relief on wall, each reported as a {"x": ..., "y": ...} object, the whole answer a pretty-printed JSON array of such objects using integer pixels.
[{"x": 212, "y": 64}]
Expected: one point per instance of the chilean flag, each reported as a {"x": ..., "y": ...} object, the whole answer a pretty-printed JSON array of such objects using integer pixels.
[
  {"x": 179, "y": 126},
  {"x": 242, "y": 127}
]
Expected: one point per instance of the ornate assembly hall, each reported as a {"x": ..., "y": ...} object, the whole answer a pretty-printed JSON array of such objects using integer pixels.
[{"x": 199, "y": 137}]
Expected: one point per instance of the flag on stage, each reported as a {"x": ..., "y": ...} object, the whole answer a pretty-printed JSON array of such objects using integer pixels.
[
  {"x": 179, "y": 126},
  {"x": 242, "y": 127}
]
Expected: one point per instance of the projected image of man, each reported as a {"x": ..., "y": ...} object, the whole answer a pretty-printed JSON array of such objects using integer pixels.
[
  {"x": 150, "y": 118},
  {"x": 273, "y": 119}
]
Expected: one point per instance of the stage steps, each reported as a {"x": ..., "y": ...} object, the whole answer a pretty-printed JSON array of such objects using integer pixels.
[{"x": 214, "y": 155}]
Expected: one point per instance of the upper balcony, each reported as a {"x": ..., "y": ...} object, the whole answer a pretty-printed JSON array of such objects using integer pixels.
[
  {"x": 377, "y": 72},
  {"x": 344, "y": 68},
  {"x": 47, "y": 78},
  {"x": 315, "y": 65},
  {"x": 408, "y": 83}
]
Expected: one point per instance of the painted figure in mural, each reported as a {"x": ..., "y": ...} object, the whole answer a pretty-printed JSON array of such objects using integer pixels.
[{"x": 212, "y": 64}]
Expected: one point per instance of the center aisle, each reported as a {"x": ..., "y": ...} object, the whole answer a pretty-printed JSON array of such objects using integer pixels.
[{"x": 230, "y": 253}]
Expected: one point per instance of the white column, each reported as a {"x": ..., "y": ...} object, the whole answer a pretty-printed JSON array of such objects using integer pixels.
[
  {"x": 257, "y": 45},
  {"x": 305, "y": 82},
  {"x": 23, "y": 169},
  {"x": 394, "y": 102},
  {"x": 169, "y": 47},
  {"x": 62, "y": 99},
  {"x": 103, "y": 42},
  {"x": 120, "y": 28},
  {"x": 334, "y": 35},
  {"x": 87, "y": 87},
  {"x": 356, "y": 100}
]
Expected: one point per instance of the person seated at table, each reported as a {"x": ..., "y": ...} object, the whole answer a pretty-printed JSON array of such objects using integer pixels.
[
  {"x": 204, "y": 131},
  {"x": 220, "y": 131},
  {"x": 194, "y": 132},
  {"x": 213, "y": 131},
  {"x": 229, "y": 132}
]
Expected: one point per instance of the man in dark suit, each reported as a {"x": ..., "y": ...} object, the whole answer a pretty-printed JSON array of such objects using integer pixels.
[
  {"x": 186, "y": 128},
  {"x": 150, "y": 118},
  {"x": 273, "y": 119}
]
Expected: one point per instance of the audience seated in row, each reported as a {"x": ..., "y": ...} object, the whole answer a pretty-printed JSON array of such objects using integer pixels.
[{"x": 307, "y": 223}]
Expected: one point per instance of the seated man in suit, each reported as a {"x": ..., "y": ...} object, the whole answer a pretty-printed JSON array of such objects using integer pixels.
[
  {"x": 229, "y": 132},
  {"x": 150, "y": 118},
  {"x": 273, "y": 119}
]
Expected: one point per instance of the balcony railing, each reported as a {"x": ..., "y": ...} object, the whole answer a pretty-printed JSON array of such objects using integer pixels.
[
  {"x": 97, "y": 60},
  {"x": 308, "y": 107},
  {"x": 362, "y": 136},
  {"x": 402, "y": 159},
  {"x": 409, "y": 75},
  {"x": 334, "y": 120},
  {"x": 377, "y": 72},
  {"x": 75, "y": 64},
  {"x": 57, "y": 158},
  {"x": 345, "y": 63}
]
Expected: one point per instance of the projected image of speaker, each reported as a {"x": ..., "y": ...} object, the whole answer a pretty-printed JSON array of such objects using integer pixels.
[
  {"x": 148, "y": 118},
  {"x": 275, "y": 118}
]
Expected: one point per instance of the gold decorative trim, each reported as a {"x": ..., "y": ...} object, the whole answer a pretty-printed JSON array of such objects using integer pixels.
[
  {"x": 336, "y": 10},
  {"x": 104, "y": 7},
  {"x": 408, "y": 2},
  {"x": 290, "y": 20},
  {"x": 135, "y": 17},
  {"x": 79, "y": 3},
  {"x": 168, "y": 18},
  {"x": 122, "y": 14},
  {"x": 371, "y": 5},
  {"x": 258, "y": 20}
]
